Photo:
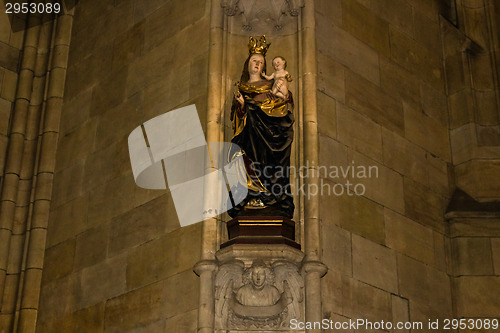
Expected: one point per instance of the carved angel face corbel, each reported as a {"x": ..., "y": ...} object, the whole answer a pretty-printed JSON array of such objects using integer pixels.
[{"x": 258, "y": 277}]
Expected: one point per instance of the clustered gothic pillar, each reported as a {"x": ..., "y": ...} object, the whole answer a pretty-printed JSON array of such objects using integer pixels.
[
  {"x": 471, "y": 49},
  {"x": 27, "y": 187},
  {"x": 471, "y": 46}
]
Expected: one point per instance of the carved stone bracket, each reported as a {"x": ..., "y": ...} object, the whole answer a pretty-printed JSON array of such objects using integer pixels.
[
  {"x": 263, "y": 16},
  {"x": 258, "y": 288}
]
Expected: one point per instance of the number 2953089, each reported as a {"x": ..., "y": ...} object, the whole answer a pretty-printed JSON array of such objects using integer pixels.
[
  {"x": 32, "y": 8},
  {"x": 471, "y": 324}
]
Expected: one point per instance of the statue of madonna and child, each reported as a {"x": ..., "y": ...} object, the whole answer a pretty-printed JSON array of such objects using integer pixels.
[{"x": 262, "y": 120}]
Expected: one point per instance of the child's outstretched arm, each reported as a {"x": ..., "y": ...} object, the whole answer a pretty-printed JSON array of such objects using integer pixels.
[{"x": 267, "y": 77}]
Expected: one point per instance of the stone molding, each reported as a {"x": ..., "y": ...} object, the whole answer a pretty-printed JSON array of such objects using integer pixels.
[
  {"x": 260, "y": 17},
  {"x": 204, "y": 266},
  {"x": 314, "y": 267},
  {"x": 277, "y": 251}
]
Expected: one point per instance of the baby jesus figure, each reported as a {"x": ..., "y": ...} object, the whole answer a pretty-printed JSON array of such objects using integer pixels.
[{"x": 281, "y": 78}]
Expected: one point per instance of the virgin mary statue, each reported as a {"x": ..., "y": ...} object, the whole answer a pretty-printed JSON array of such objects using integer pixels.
[{"x": 263, "y": 129}]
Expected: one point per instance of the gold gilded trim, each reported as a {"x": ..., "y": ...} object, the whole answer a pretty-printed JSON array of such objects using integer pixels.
[
  {"x": 239, "y": 124},
  {"x": 253, "y": 221},
  {"x": 262, "y": 224},
  {"x": 274, "y": 108},
  {"x": 253, "y": 89}
]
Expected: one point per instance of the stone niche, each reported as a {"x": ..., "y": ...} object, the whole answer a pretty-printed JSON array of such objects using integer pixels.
[{"x": 258, "y": 288}]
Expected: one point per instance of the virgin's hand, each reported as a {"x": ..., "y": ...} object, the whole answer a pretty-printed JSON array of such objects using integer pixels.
[{"x": 239, "y": 97}]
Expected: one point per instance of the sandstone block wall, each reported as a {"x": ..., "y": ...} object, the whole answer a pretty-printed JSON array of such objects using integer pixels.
[
  {"x": 382, "y": 85},
  {"x": 116, "y": 258}
]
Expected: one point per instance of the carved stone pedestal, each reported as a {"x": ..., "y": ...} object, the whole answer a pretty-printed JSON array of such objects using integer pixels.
[
  {"x": 261, "y": 230},
  {"x": 258, "y": 288}
]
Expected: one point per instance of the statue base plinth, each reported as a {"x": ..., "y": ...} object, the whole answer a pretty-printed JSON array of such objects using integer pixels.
[{"x": 261, "y": 230}]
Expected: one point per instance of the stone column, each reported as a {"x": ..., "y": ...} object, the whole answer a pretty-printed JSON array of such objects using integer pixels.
[
  {"x": 206, "y": 267},
  {"x": 23, "y": 233},
  {"x": 37, "y": 224},
  {"x": 14, "y": 159},
  {"x": 30, "y": 164},
  {"x": 312, "y": 269}
]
